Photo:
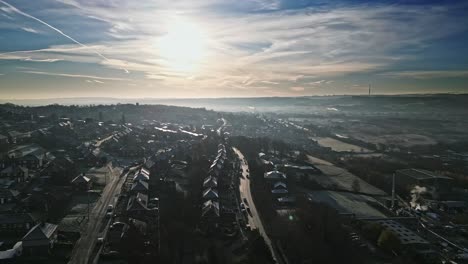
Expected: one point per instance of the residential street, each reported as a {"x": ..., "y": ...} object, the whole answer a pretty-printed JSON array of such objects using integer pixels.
[
  {"x": 254, "y": 220},
  {"x": 85, "y": 245}
]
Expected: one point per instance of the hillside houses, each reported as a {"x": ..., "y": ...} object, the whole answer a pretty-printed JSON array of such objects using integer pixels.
[
  {"x": 210, "y": 216},
  {"x": 31, "y": 156}
]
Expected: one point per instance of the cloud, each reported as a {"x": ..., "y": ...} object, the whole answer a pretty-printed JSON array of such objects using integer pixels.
[
  {"x": 76, "y": 76},
  {"x": 253, "y": 45},
  {"x": 30, "y": 30},
  {"x": 16, "y": 10},
  {"x": 13, "y": 56},
  {"x": 297, "y": 88},
  {"x": 426, "y": 74},
  {"x": 317, "y": 82},
  {"x": 269, "y": 82}
]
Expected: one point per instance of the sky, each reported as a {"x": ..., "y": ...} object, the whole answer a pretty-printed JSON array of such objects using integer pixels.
[{"x": 231, "y": 48}]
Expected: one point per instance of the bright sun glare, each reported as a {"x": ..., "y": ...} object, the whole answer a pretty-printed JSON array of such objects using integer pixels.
[{"x": 182, "y": 47}]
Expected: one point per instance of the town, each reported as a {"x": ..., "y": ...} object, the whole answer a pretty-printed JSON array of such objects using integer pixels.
[{"x": 137, "y": 183}]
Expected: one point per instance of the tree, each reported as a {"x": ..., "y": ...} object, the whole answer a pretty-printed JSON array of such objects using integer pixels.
[
  {"x": 388, "y": 241},
  {"x": 356, "y": 186}
]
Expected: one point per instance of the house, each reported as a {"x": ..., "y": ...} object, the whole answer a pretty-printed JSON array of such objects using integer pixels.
[
  {"x": 141, "y": 175},
  {"x": 280, "y": 186},
  {"x": 279, "y": 189},
  {"x": 139, "y": 187},
  {"x": 8, "y": 196},
  {"x": 210, "y": 209},
  {"x": 137, "y": 206},
  {"x": 274, "y": 176},
  {"x": 40, "y": 239},
  {"x": 210, "y": 182},
  {"x": 299, "y": 172},
  {"x": 16, "y": 223},
  {"x": 30, "y": 156},
  {"x": 81, "y": 182},
  {"x": 210, "y": 194},
  {"x": 16, "y": 173},
  {"x": 96, "y": 157},
  {"x": 62, "y": 170},
  {"x": 15, "y": 137}
]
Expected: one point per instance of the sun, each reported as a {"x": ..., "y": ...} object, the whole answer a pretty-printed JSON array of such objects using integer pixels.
[{"x": 182, "y": 48}]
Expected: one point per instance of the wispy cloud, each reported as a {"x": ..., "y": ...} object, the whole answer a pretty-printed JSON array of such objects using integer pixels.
[
  {"x": 16, "y": 10},
  {"x": 75, "y": 76},
  {"x": 427, "y": 74},
  {"x": 13, "y": 56},
  {"x": 297, "y": 88},
  {"x": 254, "y": 46},
  {"x": 30, "y": 30}
]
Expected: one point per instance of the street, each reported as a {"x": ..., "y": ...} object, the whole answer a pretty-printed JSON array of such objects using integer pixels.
[
  {"x": 85, "y": 245},
  {"x": 254, "y": 219}
]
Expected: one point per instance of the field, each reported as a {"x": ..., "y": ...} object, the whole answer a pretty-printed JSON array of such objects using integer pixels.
[
  {"x": 339, "y": 146},
  {"x": 337, "y": 178}
]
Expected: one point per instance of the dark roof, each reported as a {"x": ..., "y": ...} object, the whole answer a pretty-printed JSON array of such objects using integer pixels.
[
  {"x": 16, "y": 218},
  {"x": 139, "y": 186},
  {"x": 210, "y": 194},
  {"x": 210, "y": 182},
  {"x": 138, "y": 202},
  {"x": 278, "y": 185},
  {"x": 81, "y": 179},
  {"x": 8, "y": 193},
  {"x": 14, "y": 169},
  {"x": 40, "y": 231},
  {"x": 275, "y": 175},
  {"x": 210, "y": 208}
]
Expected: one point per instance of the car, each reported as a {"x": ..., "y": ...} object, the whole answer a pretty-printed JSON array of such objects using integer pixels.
[
  {"x": 248, "y": 176},
  {"x": 242, "y": 206},
  {"x": 245, "y": 201},
  {"x": 109, "y": 215},
  {"x": 248, "y": 211},
  {"x": 110, "y": 207},
  {"x": 100, "y": 240}
]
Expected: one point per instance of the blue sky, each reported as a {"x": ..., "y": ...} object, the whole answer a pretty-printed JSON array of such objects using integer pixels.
[{"x": 230, "y": 48}]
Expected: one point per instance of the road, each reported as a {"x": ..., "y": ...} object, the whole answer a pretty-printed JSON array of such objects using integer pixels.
[
  {"x": 99, "y": 142},
  {"x": 254, "y": 220},
  {"x": 85, "y": 245},
  {"x": 220, "y": 129}
]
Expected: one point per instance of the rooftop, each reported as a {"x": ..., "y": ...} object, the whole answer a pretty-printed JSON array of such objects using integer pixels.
[
  {"x": 405, "y": 235},
  {"x": 420, "y": 174}
]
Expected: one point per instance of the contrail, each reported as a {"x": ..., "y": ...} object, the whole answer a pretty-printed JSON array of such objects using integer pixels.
[{"x": 16, "y": 10}]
